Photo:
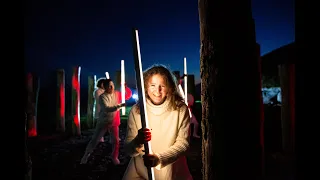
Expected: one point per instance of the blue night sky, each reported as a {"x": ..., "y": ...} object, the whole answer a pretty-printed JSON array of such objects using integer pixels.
[{"x": 96, "y": 34}]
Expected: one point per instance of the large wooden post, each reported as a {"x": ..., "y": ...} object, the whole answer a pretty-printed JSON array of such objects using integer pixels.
[
  {"x": 33, "y": 87},
  {"x": 191, "y": 85},
  {"x": 261, "y": 113},
  {"x": 91, "y": 83},
  {"x": 76, "y": 129},
  {"x": 287, "y": 83},
  {"x": 231, "y": 146},
  {"x": 60, "y": 122}
]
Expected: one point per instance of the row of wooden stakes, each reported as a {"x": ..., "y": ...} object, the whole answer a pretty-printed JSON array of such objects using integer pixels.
[{"x": 33, "y": 87}]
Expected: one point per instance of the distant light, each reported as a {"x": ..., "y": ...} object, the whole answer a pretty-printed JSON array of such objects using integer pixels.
[
  {"x": 268, "y": 93},
  {"x": 135, "y": 96}
]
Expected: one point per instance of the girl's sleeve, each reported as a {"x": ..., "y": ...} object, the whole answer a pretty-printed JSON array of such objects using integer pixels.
[{"x": 132, "y": 148}]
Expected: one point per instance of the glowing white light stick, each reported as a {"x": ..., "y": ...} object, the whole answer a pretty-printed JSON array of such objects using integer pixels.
[
  {"x": 141, "y": 94},
  {"x": 107, "y": 75},
  {"x": 182, "y": 94},
  {"x": 185, "y": 81},
  {"x": 181, "y": 90},
  {"x": 94, "y": 102},
  {"x": 94, "y": 80},
  {"x": 123, "y": 90}
]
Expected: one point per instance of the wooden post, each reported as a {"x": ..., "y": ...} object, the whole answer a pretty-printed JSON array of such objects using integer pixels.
[
  {"x": 191, "y": 85},
  {"x": 261, "y": 113},
  {"x": 28, "y": 161},
  {"x": 76, "y": 129},
  {"x": 177, "y": 75},
  {"x": 117, "y": 82},
  {"x": 90, "y": 101},
  {"x": 33, "y": 87},
  {"x": 229, "y": 68},
  {"x": 287, "y": 83},
  {"x": 61, "y": 127}
]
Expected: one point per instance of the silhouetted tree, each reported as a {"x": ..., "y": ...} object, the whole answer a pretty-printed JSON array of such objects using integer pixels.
[{"x": 230, "y": 91}]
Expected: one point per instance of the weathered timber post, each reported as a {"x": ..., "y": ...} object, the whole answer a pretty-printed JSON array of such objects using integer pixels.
[
  {"x": 177, "y": 75},
  {"x": 261, "y": 113},
  {"x": 33, "y": 86},
  {"x": 76, "y": 129},
  {"x": 60, "y": 122},
  {"x": 28, "y": 161},
  {"x": 287, "y": 83},
  {"x": 91, "y": 83},
  {"x": 117, "y": 82},
  {"x": 231, "y": 146},
  {"x": 191, "y": 85}
]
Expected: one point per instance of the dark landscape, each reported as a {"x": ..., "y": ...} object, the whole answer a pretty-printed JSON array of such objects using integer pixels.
[{"x": 58, "y": 156}]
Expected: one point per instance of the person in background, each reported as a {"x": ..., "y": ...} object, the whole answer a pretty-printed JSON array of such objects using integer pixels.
[
  {"x": 190, "y": 106},
  {"x": 193, "y": 121},
  {"x": 99, "y": 90},
  {"x": 109, "y": 105},
  {"x": 168, "y": 131},
  {"x": 116, "y": 122},
  {"x": 193, "y": 118}
]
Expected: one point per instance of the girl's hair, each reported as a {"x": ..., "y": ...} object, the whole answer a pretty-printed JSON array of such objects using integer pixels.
[
  {"x": 100, "y": 82},
  {"x": 175, "y": 98},
  {"x": 106, "y": 83}
]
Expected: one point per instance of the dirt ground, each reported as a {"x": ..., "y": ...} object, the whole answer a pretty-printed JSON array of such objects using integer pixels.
[{"x": 57, "y": 157}]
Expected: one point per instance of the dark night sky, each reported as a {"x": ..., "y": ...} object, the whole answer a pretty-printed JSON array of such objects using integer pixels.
[{"x": 96, "y": 34}]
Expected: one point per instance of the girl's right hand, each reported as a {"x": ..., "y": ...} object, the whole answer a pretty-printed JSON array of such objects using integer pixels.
[{"x": 144, "y": 135}]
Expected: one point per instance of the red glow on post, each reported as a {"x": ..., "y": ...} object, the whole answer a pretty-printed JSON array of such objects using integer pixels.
[
  {"x": 76, "y": 120},
  {"x": 76, "y": 87},
  {"x": 29, "y": 76},
  {"x": 128, "y": 93},
  {"x": 29, "y": 82},
  {"x": 62, "y": 101},
  {"x": 75, "y": 83},
  {"x": 32, "y": 127},
  {"x": 32, "y": 132}
]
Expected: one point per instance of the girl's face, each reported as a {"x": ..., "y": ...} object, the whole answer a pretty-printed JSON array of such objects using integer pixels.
[
  {"x": 157, "y": 89},
  {"x": 110, "y": 88}
]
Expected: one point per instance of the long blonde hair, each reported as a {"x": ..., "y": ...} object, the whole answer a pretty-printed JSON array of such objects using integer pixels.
[{"x": 176, "y": 100}]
